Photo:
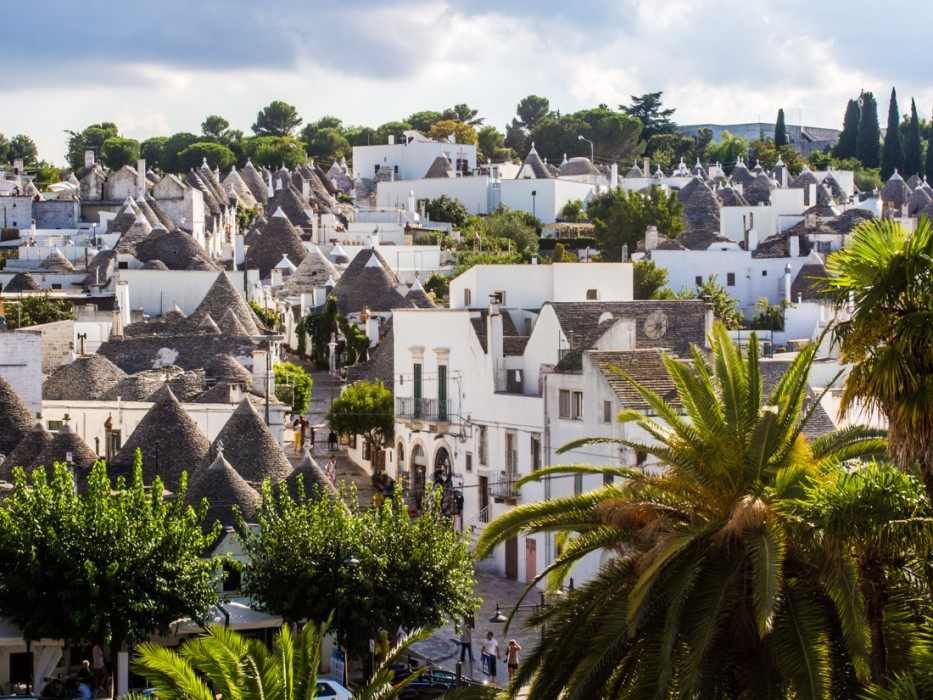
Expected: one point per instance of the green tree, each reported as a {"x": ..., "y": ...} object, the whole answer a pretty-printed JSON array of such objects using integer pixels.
[
  {"x": 892, "y": 154},
  {"x": 531, "y": 110},
  {"x": 620, "y": 218},
  {"x": 423, "y": 121},
  {"x": 711, "y": 571},
  {"x": 847, "y": 145},
  {"x": 153, "y": 150},
  {"x": 90, "y": 139},
  {"x": 463, "y": 113},
  {"x": 328, "y": 145},
  {"x": 928, "y": 167},
  {"x": 885, "y": 277},
  {"x": 312, "y": 556},
  {"x": 293, "y": 386},
  {"x": 573, "y": 211},
  {"x": 768, "y": 316},
  {"x": 913, "y": 153},
  {"x": 438, "y": 286},
  {"x": 767, "y": 153},
  {"x": 727, "y": 150},
  {"x": 278, "y": 118},
  {"x": 360, "y": 135},
  {"x": 490, "y": 142},
  {"x": 506, "y": 229},
  {"x": 224, "y": 662},
  {"x": 516, "y": 138},
  {"x": 364, "y": 408},
  {"x": 396, "y": 129},
  {"x": 4, "y": 149},
  {"x": 869, "y": 132},
  {"x": 112, "y": 565},
  {"x": 562, "y": 255},
  {"x": 448, "y": 209},
  {"x": 216, "y": 154},
  {"x": 21, "y": 146},
  {"x": 214, "y": 126},
  {"x": 649, "y": 110},
  {"x": 725, "y": 306},
  {"x": 37, "y": 309},
  {"x": 648, "y": 279},
  {"x": 172, "y": 148},
  {"x": 118, "y": 151},
  {"x": 274, "y": 151},
  {"x": 780, "y": 130}
]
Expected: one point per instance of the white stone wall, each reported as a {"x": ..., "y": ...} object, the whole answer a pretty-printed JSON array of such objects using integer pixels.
[{"x": 21, "y": 365}]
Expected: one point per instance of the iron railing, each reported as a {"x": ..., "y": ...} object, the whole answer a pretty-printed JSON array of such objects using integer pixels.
[
  {"x": 422, "y": 409},
  {"x": 506, "y": 488}
]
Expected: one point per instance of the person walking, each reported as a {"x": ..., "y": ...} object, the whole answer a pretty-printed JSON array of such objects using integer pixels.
[
  {"x": 303, "y": 428},
  {"x": 490, "y": 654},
  {"x": 296, "y": 435},
  {"x": 331, "y": 469},
  {"x": 332, "y": 441},
  {"x": 99, "y": 666},
  {"x": 511, "y": 657},
  {"x": 466, "y": 642},
  {"x": 311, "y": 437}
]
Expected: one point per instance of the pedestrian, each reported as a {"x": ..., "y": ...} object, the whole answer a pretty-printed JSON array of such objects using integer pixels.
[
  {"x": 466, "y": 642},
  {"x": 303, "y": 427},
  {"x": 332, "y": 441},
  {"x": 490, "y": 654},
  {"x": 511, "y": 657},
  {"x": 331, "y": 469},
  {"x": 311, "y": 437},
  {"x": 99, "y": 667},
  {"x": 296, "y": 435}
]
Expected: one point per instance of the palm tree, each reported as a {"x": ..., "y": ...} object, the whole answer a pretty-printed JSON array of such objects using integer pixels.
[
  {"x": 713, "y": 592},
  {"x": 224, "y": 661},
  {"x": 885, "y": 276}
]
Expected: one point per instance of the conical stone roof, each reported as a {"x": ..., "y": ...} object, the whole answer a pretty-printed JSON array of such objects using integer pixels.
[
  {"x": 26, "y": 452},
  {"x": 225, "y": 368},
  {"x": 313, "y": 481},
  {"x": 741, "y": 174},
  {"x": 63, "y": 443},
  {"x": 895, "y": 191},
  {"x": 278, "y": 238},
  {"x": 169, "y": 439},
  {"x": 314, "y": 271},
  {"x": 368, "y": 283},
  {"x": 160, "y": 213},
  {"x": 234, "y": 186},
  {"x": 222, "y": 296},
  {"x": 291, "y": 201},
  {"x": 148, "y": 213},
  {"x": 88, "y": 378},
  {"x": 176, "y": 249},
  {"x": 21, "y": 282},
  {"x": 255, "y": 182},
  {"x": 251, "y": 447},
  {"x": 804, "y": 179},
  {"x": 15, "y": 419},
  {"x": 206, "y": 324},
  {"x": 224, "y": 490},
  {"x": 758, "y": 191},
  {"x": 229, "y": 324},
  {"x": 135, "y": 234},
  {"x": 56, "y": 262},
  {"x": 419, "y": 298}
]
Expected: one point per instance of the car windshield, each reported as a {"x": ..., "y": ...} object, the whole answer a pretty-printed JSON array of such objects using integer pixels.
[{"x": 325, "y": 691}]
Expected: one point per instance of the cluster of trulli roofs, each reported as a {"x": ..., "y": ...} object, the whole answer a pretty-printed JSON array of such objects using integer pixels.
[{"x": 166, "y": 354}]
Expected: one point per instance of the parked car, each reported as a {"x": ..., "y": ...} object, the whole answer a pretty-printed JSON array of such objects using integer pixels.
[
  {"x": 332, "y": 690},
  {"x": 434, "y": 683}
]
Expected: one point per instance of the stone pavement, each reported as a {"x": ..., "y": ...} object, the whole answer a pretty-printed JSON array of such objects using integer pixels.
[{"x": 443, "y": 649}]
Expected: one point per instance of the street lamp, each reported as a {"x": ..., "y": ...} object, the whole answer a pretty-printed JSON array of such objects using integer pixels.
[
  {"x": 581, "y": 137},
  {"x": 534, "y": 193}
]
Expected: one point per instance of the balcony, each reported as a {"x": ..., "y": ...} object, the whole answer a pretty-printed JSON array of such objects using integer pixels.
[
  {"x": 505, "y": 489},
  {"x": 407, "y": 408}
]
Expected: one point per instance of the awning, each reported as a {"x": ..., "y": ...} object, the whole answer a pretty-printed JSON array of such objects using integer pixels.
[{"x": 242, "y": 617}]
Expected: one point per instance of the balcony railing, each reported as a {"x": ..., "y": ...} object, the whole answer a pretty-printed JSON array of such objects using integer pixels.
[
  {"x": 422, "y": 409},
  {"x": 506, "y": 487}
]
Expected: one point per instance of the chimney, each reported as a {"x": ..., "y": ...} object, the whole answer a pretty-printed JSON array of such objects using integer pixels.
[
  {"x": 88, "y": 158},
  {"x": 794, "y": 245},
  {"x": 391, "y": 139},
  {"x": 651, "y": 238},
  {"x": 260, "y": 360},
  {"x": 614, "y": 175},
  {"x": 751, "y": 240},
  {"x": 306, "y": 301},
  {"x": 787, "y": 283},
  {"x": 411, "y": 201},
  {"x": 18, "y": 166},
  {"x": 270, "y": 190},
  {"x": 122, "y": 294},
  {"x": 275, "y": 277},
  {"x": 141, "y": 177},
  {"x": 372, "y": 330},
  {"x": 494, "y": 345},
  {"x": 810, "y": 193},
  {"x": 319, "y": 296}
]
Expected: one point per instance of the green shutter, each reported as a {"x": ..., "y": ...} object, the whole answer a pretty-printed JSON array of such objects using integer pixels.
[
  {"x": 417, "y": 390},
  {"x": 442, "y": 392}
]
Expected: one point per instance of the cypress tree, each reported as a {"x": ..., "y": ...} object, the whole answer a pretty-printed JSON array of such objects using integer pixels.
[
  {"x": 913, "y": 153},
  {"x": 928, "y": 170},
  {"x": 780, "y": 131},
  {"x": 892, "y": 155},
  {"x": 869, "y": 132},
  {"x": 847, "y": 145}
]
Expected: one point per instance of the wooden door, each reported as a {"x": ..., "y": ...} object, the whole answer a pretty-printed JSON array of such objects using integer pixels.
[
  {"x": 484, "y": 499},
  {"x": 511, "y": 558},
  {"x": 531, "y": 559}
]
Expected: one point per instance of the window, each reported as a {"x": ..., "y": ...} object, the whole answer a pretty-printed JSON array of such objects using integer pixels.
[
  {"x": 592, "y": 294},
  {"x": 607, "y": 411},
  {"x": 483, "y": 446},
  {"x": 442, "y": 392},
  {"x": 608, "y": 479},
  {"x": 764, "y": 273},
  {"x": 498, "y": 297},
  {"x": 699, "y": 280},
  {"x": 232, "y": 578},
  {"x": 576, "y": 408},
  {"x": 824, "y": 246},
  {"x": 123, "y": 265},
  {"x": 417, "y": 392},
  {"x": 467, "y": 297},
  {"x": 640, "y": 457},
  {"x": 730, "y": 279},
  {"x": 563, "y": 410},
  {"x": 511, "y": 453},
  {"x": 395, "y": 169},
  {"x": 55, "y": 425},
  {"x": 469, "y": 462},
  {"x": 535, "y": 452},
  {"x": 56, "y": 285}
]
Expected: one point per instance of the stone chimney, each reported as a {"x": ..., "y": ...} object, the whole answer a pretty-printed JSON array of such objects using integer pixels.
[
  {"x": 18, "y": 167},
  {"x": 275, "y": 277},
  {"x": 494, "y": 344},
  {"x": 787, "y": 283},
  {"x": 793, "y": 243},
  {"x": 810, "y": 198},
  {"x": 319, "y": 296},
  {"x": 306, "y": 302},
  {"x": 88, "y": 158},
  {"x": 260, "y": 365},
  {"x": 646, "y": 162},
  {"x": 614, "y": 175},
  {"x": 651, "y": 238},
  {"x": 372, "y": 330},
  {"x": 141, "y": 177},
  {"x": 391, "y": 139}
]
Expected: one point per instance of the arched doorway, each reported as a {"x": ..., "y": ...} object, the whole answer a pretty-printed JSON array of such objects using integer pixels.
[
  {"x": 419, "y": 465},
  {"x": 443, "y": 469}
]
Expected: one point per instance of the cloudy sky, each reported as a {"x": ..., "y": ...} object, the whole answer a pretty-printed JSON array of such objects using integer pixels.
[{"x": 157, "y": 68}]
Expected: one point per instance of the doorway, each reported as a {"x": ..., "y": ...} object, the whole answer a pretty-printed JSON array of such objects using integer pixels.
[
  {"x": 511, "y": 558},
  {"x": 531, "y": 559}
]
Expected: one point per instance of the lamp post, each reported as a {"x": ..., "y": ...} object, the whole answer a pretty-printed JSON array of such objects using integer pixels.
[
  {"x": 351, "y": 562},
  {"x": 581, "y": 137},
  {"x": 534, "y": 193}
]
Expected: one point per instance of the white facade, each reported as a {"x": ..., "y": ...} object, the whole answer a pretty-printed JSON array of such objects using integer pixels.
[
  {"x": 531, "y": 286},
  {"x": 154, "y": 292},
  {"x": 21, "y": 365},
  {"x": 410, "y": 160}
]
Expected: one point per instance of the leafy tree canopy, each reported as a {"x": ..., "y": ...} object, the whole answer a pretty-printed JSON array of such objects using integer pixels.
[
  {"x": 118, "y": 151},
  {"x": 364, "y": 408},
  {"x": 531, "y": 110},
  {"x": 620, "y": 218},
  {"x": 293, "y": 386},
  {"x": 447, "y": 209},
  {"x": 490, "y": 143},
  {"x": 463, "y": 113},
  {"x": 278, "y": 118},
  {"x": 727, "y": 150},
  {"x": 153, "y": 150},
  {"x": 172, "y": 148},
  {"x": 90, "y": 139},
  {"x": 114, "y": 564},
  {"x": 462, "y": 132},
  {"x": 21, "y": 146},
  {"x": 274, "y": 151},
  {"x": 649, "y": 110},
  {"x": 36, "y": 309},
  {"x": 648, "y": 279},
  {"x": 214, "y": 126},
  {"x": 423, "y": 121},
  {"x": 216, "y": 154}
]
